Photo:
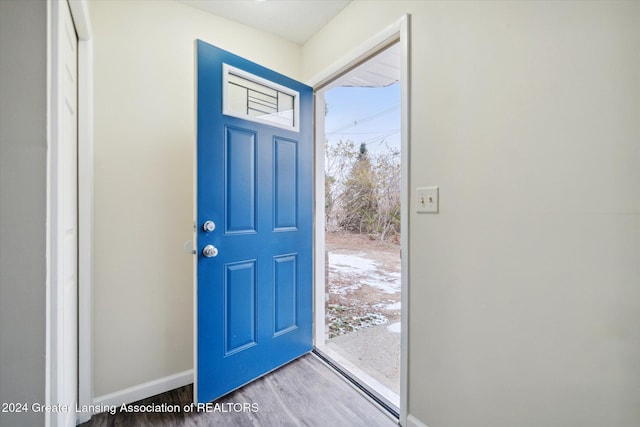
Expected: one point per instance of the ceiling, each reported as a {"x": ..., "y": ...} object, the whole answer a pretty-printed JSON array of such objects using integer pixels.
[
  {"x": 293, "y": 20},
  {"x": 299, "y": 20},
  {"x": 379, "y": 71}
]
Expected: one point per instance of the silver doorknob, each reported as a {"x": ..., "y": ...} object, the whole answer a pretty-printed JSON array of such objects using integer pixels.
[
  {"x": 209, "y": 226},
  {"x": 210, "y": 251}
]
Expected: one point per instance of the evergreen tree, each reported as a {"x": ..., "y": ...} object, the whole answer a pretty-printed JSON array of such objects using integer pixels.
[{"x": 360, "y": 204}]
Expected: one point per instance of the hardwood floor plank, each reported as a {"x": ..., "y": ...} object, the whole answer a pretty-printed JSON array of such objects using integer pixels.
[{"x": 304, "y": 392}]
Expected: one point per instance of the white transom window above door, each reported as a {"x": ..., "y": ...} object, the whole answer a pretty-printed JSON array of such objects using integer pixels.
[{"x": 254, "y": 98}]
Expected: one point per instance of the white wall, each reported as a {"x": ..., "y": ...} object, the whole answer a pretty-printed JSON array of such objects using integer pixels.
[
  {"x": 23, "y": 197},
  {"x": 144, "y": 148},
  {"x": 525, "y": 288}
]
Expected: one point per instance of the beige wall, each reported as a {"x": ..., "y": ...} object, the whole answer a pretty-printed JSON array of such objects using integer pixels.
[
  {"x": 23, "y": 207},
  {"x": 524, "y": 288},
  {"x": 144, "y": 148},
  {"x": 525, "y": 296}
]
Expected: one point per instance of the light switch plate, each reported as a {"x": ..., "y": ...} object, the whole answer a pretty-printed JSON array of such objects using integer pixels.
[{"x": 427, "y": 199}]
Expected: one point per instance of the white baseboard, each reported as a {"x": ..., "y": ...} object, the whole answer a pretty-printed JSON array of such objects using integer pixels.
[
  {"x": 142, "y": 391},
  {"x": 414, "y": 422}
]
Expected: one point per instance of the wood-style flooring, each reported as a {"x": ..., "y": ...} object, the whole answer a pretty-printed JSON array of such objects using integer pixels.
[{"x": 305, "y": 392}]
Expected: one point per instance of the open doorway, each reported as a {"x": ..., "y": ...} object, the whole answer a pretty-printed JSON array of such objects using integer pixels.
[{"x": 361, "y": 303}]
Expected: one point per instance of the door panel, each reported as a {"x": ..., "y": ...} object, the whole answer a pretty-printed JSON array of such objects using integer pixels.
[
  {"x": 254, "y": 181},
  {"x": 285, "y": 289},
  {"x": 240, "y": 306},
  {"x": 240, "y": 180},
  {"x": 285, "y": 169}
]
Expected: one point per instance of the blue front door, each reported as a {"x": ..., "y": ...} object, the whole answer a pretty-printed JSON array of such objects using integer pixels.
[{"x": 254, "y": 185}]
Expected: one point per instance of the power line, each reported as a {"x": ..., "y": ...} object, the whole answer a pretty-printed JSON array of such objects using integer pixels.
[
  {"x": 366, "y": 118},
  {"x": 369, "y": 132},
  {"x": 378, "y": 139}
]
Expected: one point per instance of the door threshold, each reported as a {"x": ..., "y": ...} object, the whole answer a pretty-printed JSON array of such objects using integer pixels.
[{"x": 379, "y": 393}]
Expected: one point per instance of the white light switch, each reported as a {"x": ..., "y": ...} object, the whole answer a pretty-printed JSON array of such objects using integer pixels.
[{"x": 427, "y": 199}]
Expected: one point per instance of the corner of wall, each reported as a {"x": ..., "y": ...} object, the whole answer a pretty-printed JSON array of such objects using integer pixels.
[{"x": 412, "y": 421}]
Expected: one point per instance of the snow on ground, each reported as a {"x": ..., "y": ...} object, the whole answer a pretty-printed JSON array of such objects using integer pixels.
[
  {"x": 382, "y": 282},
  {"x": 351, "y": 264},
  {"x": 395, "y": 327},
  {"x": 362, "y": 271},
  {"x": 388, "y": 305},
  {"x": 363, "y": 285}
]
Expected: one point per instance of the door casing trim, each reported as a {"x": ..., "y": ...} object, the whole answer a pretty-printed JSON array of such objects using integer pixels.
[
  {"x": 398, "y": 32},
  {"x": 80, "y": 14}
]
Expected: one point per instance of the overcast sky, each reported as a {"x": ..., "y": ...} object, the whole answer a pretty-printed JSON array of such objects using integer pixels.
[{"x": 360, "y": 114}]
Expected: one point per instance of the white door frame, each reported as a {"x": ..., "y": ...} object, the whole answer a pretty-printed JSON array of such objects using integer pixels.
[
  {"x": 80, "y": 14},
  {"x": 398, "y": 32}
]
